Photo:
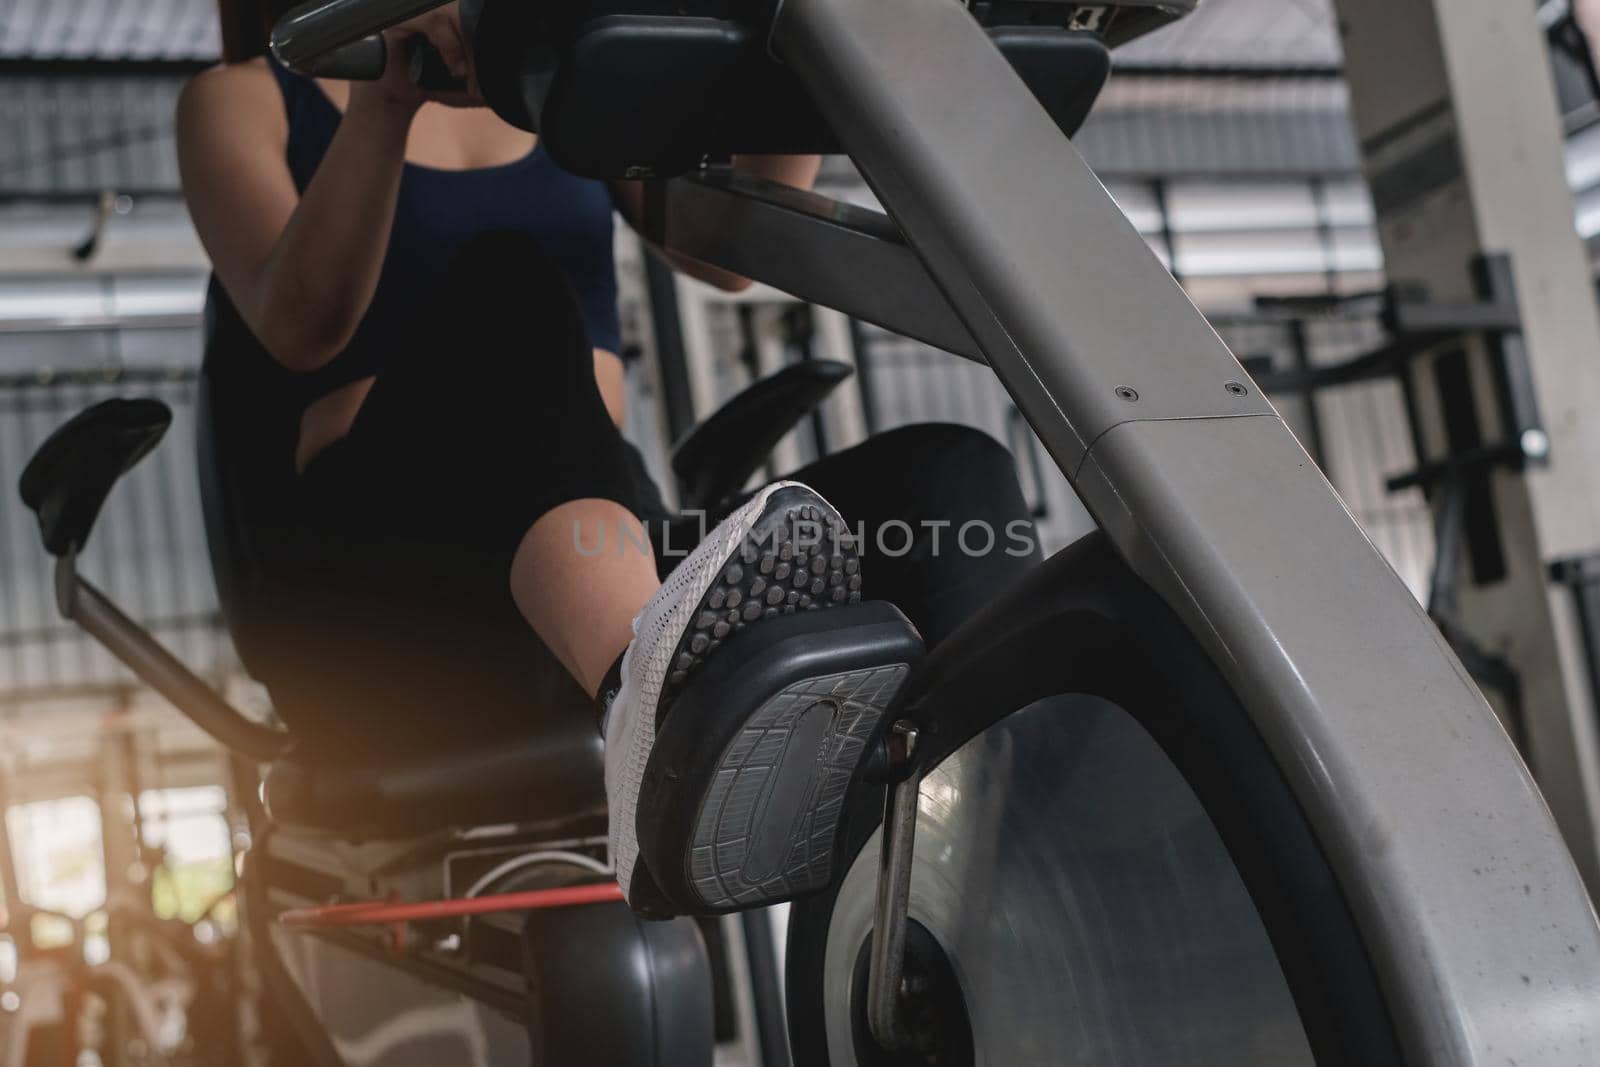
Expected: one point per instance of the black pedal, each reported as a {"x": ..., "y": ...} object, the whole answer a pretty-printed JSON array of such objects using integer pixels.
[{"x": 814, "y": 691}]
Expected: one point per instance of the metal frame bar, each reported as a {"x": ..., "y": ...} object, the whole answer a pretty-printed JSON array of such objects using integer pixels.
[
  {"x": 766, "y": 988},
  {"x": 312, "y": 34},
  {"x": 818, "y": 249},
  {"x": 145, "y": 657},
  {"x": 666, "y": 321},
  {"x": 1204, "y": 490},
  {"x": 886, "y": 964},
  {"x": 1581, "y": 577}
]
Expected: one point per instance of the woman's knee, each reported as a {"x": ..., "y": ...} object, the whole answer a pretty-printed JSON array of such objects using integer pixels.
[
  {"x": 931, "y": 471},
  {"x": 941, "y": 452}
]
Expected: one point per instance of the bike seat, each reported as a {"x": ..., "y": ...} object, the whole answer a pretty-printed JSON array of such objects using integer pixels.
[
  {"x": 72, "y": 473},
  {"x": 553, "y": 775}
]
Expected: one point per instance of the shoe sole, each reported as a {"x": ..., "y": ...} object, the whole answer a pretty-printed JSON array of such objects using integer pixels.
[{"x": 768, "y": 825}]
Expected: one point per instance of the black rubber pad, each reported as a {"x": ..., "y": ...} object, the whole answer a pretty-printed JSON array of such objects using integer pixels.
[{"x": 769, "y": 822}]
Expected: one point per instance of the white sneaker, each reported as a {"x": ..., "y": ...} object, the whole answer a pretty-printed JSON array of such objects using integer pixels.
[{"x": 760, "y": 764}]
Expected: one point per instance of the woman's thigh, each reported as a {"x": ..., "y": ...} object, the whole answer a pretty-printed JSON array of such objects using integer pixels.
[{"x": 941, "y": 515}]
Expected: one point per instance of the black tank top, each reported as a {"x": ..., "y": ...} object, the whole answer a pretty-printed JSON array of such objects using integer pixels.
[
  {"x": 254, "y": 404},
  {"x": 439, "y": 211}
]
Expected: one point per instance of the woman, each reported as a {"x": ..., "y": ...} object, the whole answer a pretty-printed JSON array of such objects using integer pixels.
[{"x": 426, "y": 374}]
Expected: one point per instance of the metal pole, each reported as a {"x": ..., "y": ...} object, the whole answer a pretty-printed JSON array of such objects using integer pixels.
[
  {"x": 887, "y": 965},
  {"x": 671, "y": 356},
  {"x": 125, "y": 639},
  {"x": 766, "y": 988},
  {"x": 1461, "y": 133}
]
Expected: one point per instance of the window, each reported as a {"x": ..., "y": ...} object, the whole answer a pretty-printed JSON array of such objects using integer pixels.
[
  {"x": 60, "y": 860},
  {"x": 189, "y": 828}
]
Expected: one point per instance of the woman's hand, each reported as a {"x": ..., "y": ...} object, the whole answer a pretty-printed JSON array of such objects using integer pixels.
[{"x": 441, "y": 27}]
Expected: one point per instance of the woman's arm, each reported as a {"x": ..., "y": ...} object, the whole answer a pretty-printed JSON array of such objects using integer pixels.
[
  {"x": 797, "y": 171},
  {"x": 302, "y": 270},
  {"x": 1588, "y": 15}
]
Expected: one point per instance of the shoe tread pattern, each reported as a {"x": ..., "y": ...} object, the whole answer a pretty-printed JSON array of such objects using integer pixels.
[
  {"x": 736, "y": 807},
  {"x": 798, "y": 557}
]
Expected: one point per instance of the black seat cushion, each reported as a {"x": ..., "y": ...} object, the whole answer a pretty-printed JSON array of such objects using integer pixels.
[
  {"x": 553, "y": 775},
  {"x": 69, "y": 477}
]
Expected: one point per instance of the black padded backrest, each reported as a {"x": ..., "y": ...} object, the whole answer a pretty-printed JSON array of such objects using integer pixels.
[
  {"x": 74, "y": 470},
  {"x": 647, "y": 88},
  {"x": 716, "y": 458},
  {"x": 239, "y": 408}
]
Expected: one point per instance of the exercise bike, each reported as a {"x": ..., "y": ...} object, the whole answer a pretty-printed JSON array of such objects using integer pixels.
[{"x": 1206, "y": 788}]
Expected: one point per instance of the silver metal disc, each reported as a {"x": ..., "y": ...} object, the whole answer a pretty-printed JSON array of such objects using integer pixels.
[{"x": 1088, "y": 907}]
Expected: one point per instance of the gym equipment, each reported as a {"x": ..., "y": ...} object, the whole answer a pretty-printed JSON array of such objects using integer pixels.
[
  {"x": 489, "y": 834},
  {"x": 1206, "y": 788},
  {"x": 1388, "y": 894},
  {"x": 62, "y": 1007}
]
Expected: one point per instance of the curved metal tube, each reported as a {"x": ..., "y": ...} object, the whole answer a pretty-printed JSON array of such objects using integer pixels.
[
  {"x": 142, "y": 654},
  {"x": 339, "y": 38}
]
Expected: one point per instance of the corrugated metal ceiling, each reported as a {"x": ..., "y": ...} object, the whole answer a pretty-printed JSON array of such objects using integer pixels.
[
  {"x": 136, "y": 30},
  {"x": 1279, "y": 34},
  {"x": 1237, "y": 33}
]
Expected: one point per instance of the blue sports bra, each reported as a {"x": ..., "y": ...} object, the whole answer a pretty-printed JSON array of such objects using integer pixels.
[{"x": 439, "y": 211}]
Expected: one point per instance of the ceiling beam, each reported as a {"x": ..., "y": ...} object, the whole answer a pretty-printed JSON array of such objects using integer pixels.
[{"x": 166, "y": 68}]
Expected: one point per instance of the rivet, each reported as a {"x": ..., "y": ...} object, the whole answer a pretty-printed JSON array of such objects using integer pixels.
[{"x": 1130, "y": 395}]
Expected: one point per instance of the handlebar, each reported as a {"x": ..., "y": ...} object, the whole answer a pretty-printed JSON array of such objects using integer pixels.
[{"x": 342, "y": 38}]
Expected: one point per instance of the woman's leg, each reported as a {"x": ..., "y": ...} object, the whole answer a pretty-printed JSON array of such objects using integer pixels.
[
  {"x": 579, "y": 576},
  {"x": 944, "y": 526},
  {"x": 475, "y": 455},
  {"x": 942, "y": 515}
]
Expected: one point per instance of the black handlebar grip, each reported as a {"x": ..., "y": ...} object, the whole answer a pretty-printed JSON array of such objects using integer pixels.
[{"x": 428, "y": 69}]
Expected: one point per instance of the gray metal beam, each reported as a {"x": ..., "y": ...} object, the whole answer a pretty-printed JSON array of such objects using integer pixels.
[
  {"x": 821, "y": 250},
  {"x": 163, "y": 672},
  {"x": 1461, "y": 133}
]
